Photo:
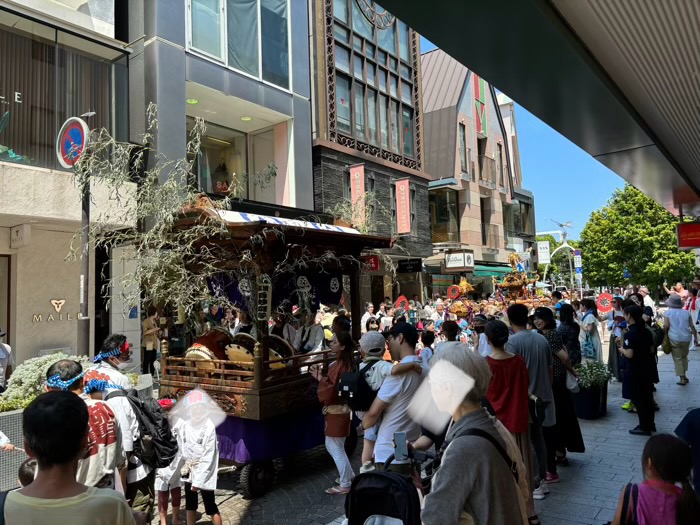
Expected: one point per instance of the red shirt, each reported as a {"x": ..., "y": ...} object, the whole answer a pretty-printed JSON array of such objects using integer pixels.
[{"x": 508, "y": 392}]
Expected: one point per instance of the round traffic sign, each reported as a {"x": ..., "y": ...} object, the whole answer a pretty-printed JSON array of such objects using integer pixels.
[
  {"x": 70, "y": 142},
  {"x": 604, "y": 303},
  {"x": 453, "y": 292}
]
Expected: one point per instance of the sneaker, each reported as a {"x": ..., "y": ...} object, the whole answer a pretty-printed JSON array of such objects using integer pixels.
[
  {"x": 626, "y": 406},
  {"x": 538, "y": 493},
  {"x": 367, "y": 466},
  {"x": 544, "y": 487},
  {"x": 552, "y": 477},
  {"x": 636, "y": 431}
]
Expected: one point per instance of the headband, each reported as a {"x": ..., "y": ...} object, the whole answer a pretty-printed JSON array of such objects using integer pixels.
[
  {"x": 99, "y": 385},
  {"x": 55, "y": 381},
  {"x": 124, "y": 348}
]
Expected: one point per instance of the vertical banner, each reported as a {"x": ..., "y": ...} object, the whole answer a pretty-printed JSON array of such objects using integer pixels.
[
  {"x": 403, "y": 207},
  {"x": 357, "y": 193},
  {"x": 543, "y": 256}
]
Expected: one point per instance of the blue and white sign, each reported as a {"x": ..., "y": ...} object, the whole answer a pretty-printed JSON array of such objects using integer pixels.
[{"x": 579, "y": 270}]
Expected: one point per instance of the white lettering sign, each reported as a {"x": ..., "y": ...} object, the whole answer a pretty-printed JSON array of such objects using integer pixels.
[{"x": 543, "y": 252}]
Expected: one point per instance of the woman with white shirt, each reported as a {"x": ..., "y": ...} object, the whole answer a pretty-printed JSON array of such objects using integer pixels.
[
  {"x": 678, "y": 323},
  {"x": 591, "y": 346},
  {"x": 310, "y": 336},
  {"x": 616, "y": 323}
]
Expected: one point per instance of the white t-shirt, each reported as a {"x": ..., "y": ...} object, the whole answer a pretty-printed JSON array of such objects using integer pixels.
[
  {"x": 680, "y": 325},
  {"x": 397, "y": 391},
  {"x": 5, "y": 360},
  {"x": 375, "y": 376},
  {"x": 484, "y": 347}
]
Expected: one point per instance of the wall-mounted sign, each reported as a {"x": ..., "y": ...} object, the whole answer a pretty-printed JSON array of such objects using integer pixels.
[
  {"x": 543, "y": 255},
  {"x": 56, "y": 315},
  {"x": 71, "y": 140},
  {"x": 688, "y": 235},
  {"x": 410, "y": 266},
  {"x": 403, "y": 207},
  {"x": 20, "y": 236},
  {"x": 357, "y": 193},
  {"x": 459, "y": 260},
  {"x": 372, "y": 262}
]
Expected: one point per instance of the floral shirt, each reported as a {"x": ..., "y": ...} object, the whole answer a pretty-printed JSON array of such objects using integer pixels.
[{"x": 555, "y": 345}]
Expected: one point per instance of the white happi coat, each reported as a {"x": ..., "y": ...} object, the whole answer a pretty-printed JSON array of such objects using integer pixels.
[{"x": 201, "y": 450}]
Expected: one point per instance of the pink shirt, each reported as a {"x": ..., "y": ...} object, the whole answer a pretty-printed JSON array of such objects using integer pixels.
[{"x": 657, "y": 503}]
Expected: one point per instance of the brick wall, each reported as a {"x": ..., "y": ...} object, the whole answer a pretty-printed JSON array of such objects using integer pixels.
[{"x": 330, "y": 166}]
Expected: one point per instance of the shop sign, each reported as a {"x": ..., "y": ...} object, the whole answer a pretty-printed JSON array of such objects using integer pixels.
[
  {"x": 57, "y": 315},
  {"x": 372, "y": 262},
  {"x": 20, "y": 236},
  {"x": 459, "y": 260},
  {"x": 403, "y": 207},
  {"x": 688, "y": 235},
  {"x": 410, "y": 266}
]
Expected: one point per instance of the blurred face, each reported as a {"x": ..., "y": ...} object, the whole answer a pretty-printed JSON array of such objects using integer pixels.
[
  {"x": 679, "y": 286},
  {"x": 336, "y": 346},
  {"x": 617, "y": 304},
  {"x": 370, "y": 308},
  {"x": 214, "y": 310},
  {"x": 539, "y": 323},
  {"x": 440, "y": 308},
  {"x": 198, "y": 413},
  {"x": 394, "y": 343}
]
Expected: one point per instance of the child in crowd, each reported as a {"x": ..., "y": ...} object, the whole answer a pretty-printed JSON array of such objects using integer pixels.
[
  {"x": 27, "y": 472},
  {"x": 169, "y": 483},
  {"x": 372, "y": 347},
  {"x": 55, "y": 429},
  {"x": 666, "y": 495},
  {"x": 427, "y": 342},
  {"x": 200, "y": 455}
]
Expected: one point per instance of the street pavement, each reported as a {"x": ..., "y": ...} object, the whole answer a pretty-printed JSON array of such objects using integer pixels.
[{"x": 587, "y": 494}]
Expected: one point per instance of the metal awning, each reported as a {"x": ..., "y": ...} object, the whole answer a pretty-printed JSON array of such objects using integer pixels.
[
  {"x": 482, "y": 270},
  {"x": 447, "y": 182}
]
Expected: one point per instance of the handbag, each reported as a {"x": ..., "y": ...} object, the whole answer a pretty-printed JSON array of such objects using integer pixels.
[
  {"x": 666, "y": 345},
  {"x": 572, "y": 383}
]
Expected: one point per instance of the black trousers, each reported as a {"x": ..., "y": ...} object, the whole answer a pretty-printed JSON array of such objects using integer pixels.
[
  {"x": 192, "y": 500},
  {"x": 149, "y": 357},
  {"x": 643, "y": 399},
  {"x": 551, "y": 440}
]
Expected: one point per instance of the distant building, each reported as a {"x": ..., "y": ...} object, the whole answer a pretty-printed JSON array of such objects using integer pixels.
[{"x": 478, "y": 211}]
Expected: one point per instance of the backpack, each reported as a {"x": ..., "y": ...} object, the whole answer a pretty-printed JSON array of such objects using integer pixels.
[
  {"x": 354, "y": 389},
  {"x": 657, "y": 334},
  {"x": 387, "y": 494},
  {"x": 156, "y": 445}
]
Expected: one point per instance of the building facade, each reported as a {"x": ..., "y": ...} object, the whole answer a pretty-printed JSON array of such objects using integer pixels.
[
  {"x": 367, "y": 111},
  {"x": 56, "y": 62},
  {"x": 473, "y": 204}
]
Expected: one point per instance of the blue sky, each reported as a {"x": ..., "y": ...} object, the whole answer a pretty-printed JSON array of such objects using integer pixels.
[{"x": 567, "y": 182}]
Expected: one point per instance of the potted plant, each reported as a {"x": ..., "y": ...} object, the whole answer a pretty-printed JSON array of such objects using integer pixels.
[{"x": 591, "y": 402}]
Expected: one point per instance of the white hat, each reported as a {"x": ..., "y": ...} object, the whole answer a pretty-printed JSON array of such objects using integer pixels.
[{"x": 373, "y": 343}]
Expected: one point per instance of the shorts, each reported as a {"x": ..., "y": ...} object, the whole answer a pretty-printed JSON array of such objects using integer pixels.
[
  {"x": 370, "y": 433},
  {"x": 192, "y": 500}
]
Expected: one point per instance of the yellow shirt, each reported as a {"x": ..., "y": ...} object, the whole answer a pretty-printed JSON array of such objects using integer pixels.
[{"x": 92, "y": 507}]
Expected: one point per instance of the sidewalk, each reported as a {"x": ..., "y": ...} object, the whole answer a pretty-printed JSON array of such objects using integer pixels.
[{"x": 587, "y": 494}]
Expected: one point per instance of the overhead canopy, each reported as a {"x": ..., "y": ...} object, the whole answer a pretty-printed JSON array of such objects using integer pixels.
[
  {"x": 481, "y": 270},
  {"x": 619, "y": 78}
]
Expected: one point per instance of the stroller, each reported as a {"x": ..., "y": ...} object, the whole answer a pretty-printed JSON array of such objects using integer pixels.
[{"x": 388, "y": 498}]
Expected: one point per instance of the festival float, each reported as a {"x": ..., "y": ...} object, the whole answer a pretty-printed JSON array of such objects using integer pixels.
[{"x": 264, "y": 384}]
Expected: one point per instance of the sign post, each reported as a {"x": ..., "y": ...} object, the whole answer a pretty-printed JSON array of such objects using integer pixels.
[{"x": 70, "y": 145}]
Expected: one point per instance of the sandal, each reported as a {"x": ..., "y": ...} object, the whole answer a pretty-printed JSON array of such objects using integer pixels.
[
  {"x": 534, "y": 520},
  {"x": 682, "y": 382},
  {"x": 337, "y": 491}
]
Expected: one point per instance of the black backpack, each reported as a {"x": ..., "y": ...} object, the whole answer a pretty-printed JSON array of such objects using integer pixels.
[
  {"x": 384, "y": 494},
  {"x": 354, "y": 389},
  {"x": 156, "y": 446}
]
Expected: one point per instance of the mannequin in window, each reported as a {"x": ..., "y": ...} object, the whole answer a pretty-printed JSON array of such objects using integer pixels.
[{"x": 220, "y": 175}]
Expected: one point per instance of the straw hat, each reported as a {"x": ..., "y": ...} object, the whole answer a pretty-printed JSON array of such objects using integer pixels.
[{"x": 674, "y": 301}]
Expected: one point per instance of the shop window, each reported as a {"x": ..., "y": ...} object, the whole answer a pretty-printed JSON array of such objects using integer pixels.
[
  {"x": 444, "y": 215},
  {"x": 206, "y": 27},
  {"x": 49, "y": 76},
  {"x": 261, "y": 186}
]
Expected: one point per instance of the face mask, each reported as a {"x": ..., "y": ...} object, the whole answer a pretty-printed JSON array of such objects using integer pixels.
[{"x": 123, "y": 365}]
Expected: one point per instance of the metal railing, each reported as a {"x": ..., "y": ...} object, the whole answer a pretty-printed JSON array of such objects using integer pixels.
[{"x": 487, "y": 172}]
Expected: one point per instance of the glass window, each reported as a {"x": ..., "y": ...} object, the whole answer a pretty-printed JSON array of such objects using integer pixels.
[
  {"x": 381, "y": 57},
  {"x": 463, "y": 147},
  {"x": 405, "y": 72},
  {"x": 444, "y": 209},
  {"x": 407, "y": 124},
  {"x": 393, "y": 64},
  {"x": 394, "y": 86},
  {"x": 275, "y": 44},
  {"x": 406, "y": 92},
  {"x": 341, "y": 34},
  {"x": 262, "y": 151},
  {"x": 372, "y": 115},
  {"x": 359, "y": 67},
  {"x": 370, "y": 50},
  {"x": 499, "y": 165},
  {"x": 383, "y": 121},
  {"x": 342, "y": 59},
  {"x": 359, "y": 111},
  {"x": 342, "y": 95},
  {"x": 340, "y": 10},
  {"x": 386, "y": 38},
  {"x": 404, "y": 48},
  {"x": 242, "y": 23},
  {"x": 206, "y": 26},
  {"x": 357, "y": 44},
  {"x": 394, "y": 127},
  {"x": 370, "y": 73},
  {"x": 360, "y": 24},
  {"x": 382, "y": 79}
]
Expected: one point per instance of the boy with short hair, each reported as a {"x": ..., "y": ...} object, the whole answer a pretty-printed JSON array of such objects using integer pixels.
[
  {"x": 27, "y": 472},
  {"x": 55, "y": 429}
]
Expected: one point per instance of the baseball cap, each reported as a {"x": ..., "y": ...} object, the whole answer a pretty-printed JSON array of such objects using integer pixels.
[
  {"x": 373, "y": 342},
  {"x": 3, "y": 333},
  {"x": 408, "y": 331}
]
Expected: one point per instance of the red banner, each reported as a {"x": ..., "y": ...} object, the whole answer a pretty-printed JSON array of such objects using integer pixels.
[
  {"x": 372, "y": 262},
  {"x": 357, "y": 193},
  {"x": 403, "y": 207},
  {"x": 688, "y": 235}
]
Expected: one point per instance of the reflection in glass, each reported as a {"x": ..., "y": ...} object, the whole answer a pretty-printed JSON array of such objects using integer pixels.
[
  {"x": 383, "y": 121},
  {"x": 360, "y": 112},
  {"x": 404, "y": 48},
  {"x": 372, "y": 115},
  {"x": 342, "y": 88},
  {"x": 394, "y": 127},
  {"x": 275, "y": 44},
  {"x": 407, "y": 123},
  {"x": 340, "y": 10},
  {"x": 242, "y": 25},
  {"x": 206, "y": 26},
  {"x": 386, "y": 38},
  {"x": 358, "y": 67},
  {"x": 360, "y": 24},
  {"x": 342, "y": 59}
]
